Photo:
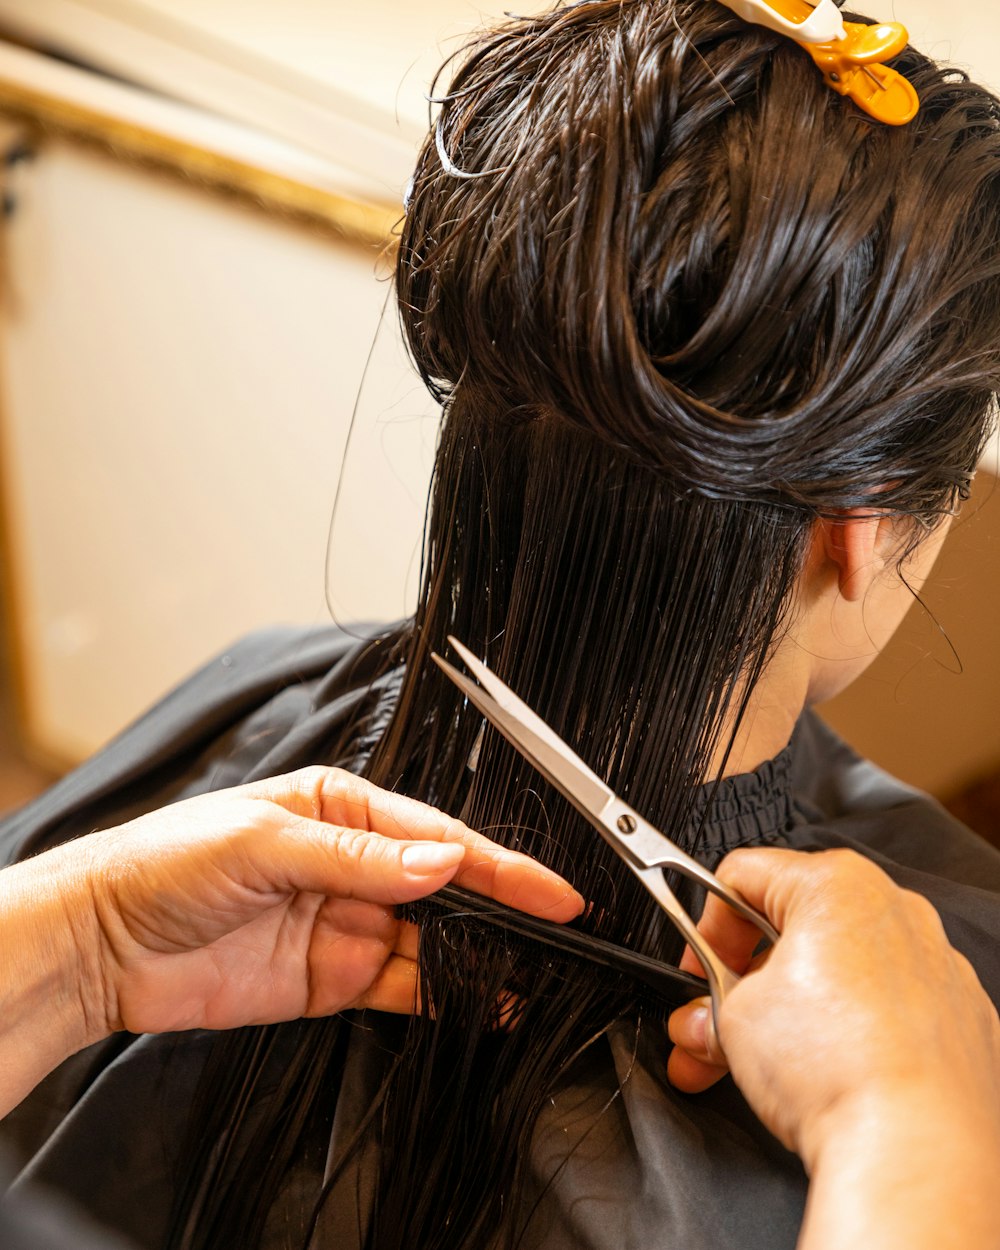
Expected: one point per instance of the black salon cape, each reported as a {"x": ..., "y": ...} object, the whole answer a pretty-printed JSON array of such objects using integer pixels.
[
  {"x": 647, "y": 1168},
  {"x": 38, "y": 1219}
]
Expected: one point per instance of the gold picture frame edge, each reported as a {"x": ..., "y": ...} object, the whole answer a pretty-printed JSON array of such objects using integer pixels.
[{"x": 276, "y": 194}]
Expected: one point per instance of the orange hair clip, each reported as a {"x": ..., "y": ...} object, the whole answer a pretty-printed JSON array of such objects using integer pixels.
[{"x": 851, "y": 56}]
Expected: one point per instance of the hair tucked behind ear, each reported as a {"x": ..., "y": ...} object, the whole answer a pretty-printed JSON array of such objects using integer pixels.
[{"x": 677, "y": 298}]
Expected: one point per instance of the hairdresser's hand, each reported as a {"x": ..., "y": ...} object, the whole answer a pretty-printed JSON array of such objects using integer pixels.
[
  {"x": 864, "y": 1041},
  {"x": 862, "y": 993},
  {"x": 263, "y": 903}
]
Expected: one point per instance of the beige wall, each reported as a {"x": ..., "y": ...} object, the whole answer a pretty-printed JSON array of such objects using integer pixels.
[
  {"x": 384, "y": 51},
  {"x": 178, "y": 377}
]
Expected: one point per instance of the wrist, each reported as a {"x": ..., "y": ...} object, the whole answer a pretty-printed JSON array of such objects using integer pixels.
[
  {"x": 919, "y": 1161},
  {"x": 899, "y": 1111},
  {"x": 52, "y": 996}
]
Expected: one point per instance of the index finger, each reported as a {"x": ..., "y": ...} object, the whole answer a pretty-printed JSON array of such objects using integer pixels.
[
  {"x": 340, "y": 798},
  {"x": 755, "y": 872}
]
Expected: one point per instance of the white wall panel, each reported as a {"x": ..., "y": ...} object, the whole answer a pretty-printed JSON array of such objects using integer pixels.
[{"x": 178, "y": 375}]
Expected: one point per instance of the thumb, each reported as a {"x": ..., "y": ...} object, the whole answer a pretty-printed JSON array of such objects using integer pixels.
[
  {"x": 692, "y": 1027},
  {"x": 697, "y": 1060}
]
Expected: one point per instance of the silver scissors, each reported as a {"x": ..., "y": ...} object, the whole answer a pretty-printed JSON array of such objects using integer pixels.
[{"x": 642, "y": 847}]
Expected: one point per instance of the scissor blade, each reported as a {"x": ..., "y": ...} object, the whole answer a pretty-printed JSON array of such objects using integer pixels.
[
  {"x": 507, "y": 699},
  {"x": 548, "y": 753}
]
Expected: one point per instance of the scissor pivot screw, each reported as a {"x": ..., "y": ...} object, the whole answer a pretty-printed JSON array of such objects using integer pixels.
[{"x": 627, "y": 824}]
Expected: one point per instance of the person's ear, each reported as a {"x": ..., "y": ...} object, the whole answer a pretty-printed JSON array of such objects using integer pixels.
[{"x": 856, "y": 544}]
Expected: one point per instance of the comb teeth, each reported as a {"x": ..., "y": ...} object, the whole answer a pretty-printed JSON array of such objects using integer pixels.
[{"x": 659, "y": 987}]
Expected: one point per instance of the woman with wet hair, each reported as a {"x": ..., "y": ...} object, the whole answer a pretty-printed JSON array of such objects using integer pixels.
[{"x": 717, "y": 355}]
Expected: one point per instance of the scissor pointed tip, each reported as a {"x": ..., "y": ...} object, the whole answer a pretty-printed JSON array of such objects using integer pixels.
[
  {"x": 477, "y": 667},
  {"x": 467, "y": 687},
  {"x": 443, "y": 665},
  {"x": 463, "y": 651}
]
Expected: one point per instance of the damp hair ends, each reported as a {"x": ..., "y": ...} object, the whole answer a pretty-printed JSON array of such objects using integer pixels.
[{"x": 678, "y": 298}]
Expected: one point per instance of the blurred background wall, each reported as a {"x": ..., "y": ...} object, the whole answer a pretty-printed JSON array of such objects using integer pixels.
[{"x": 197, "y": 198}]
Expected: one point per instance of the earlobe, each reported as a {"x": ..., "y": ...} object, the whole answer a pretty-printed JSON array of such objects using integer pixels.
[{"x": 855, "y": 543}]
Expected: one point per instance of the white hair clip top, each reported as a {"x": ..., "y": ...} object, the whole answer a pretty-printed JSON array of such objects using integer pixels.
[
  {"x": 850, "y": 55},
  {"x": 822, "y": 24}
]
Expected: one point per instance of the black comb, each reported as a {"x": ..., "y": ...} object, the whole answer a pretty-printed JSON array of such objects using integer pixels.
[{"x": 665, "y": 987}]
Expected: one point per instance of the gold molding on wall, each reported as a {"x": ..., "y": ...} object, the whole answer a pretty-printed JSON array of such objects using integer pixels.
[{"x": 275, "y": 194}]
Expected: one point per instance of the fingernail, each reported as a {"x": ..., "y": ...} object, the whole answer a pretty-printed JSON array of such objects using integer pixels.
[
  {"x": 698, "y": 1027},
  {"x": 428, "y": 859}
]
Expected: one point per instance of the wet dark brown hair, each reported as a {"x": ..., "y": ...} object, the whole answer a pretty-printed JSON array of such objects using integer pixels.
[{"x": 677, "y": 298}]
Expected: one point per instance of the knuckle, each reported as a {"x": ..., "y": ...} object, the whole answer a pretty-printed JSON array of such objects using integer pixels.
[
  {"x": 338, "y": 778},
  {"x": 731, "y": 865},
  {"x": 966, "y": 970},
  {"x": 924, "y": 911},
  {"x": 359, "y": 849},
  {"x": 845, "y": 870},
  {"x": 841, "y": 861},
  {"x": 453, "y": 829},
  {"x": 346, "y": 844},
  {"x": 312, "y": 775},
  {"x": 310, "y": 782}
]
